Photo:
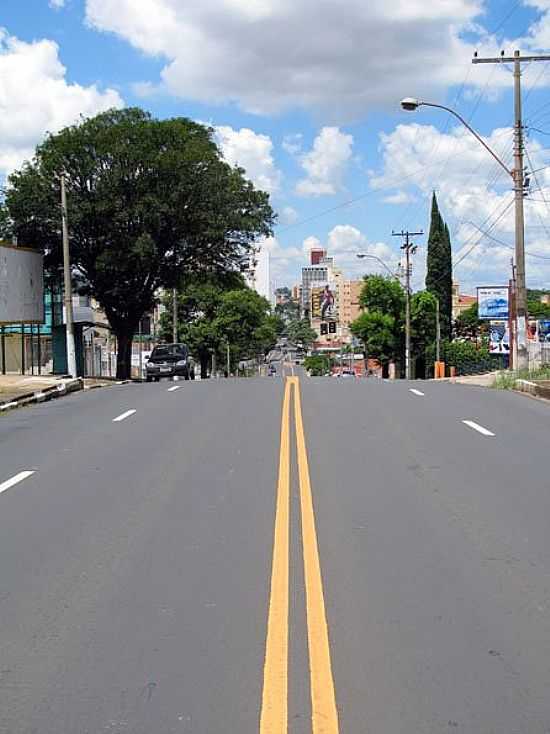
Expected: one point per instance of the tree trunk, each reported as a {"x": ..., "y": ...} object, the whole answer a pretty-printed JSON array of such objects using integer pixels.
[
  {"x": 124, "y": 337},
  {"x": 204, "y": 359}
]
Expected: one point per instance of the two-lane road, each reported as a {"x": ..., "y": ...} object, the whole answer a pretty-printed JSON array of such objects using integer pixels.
[{"x": 276, "y": 555}]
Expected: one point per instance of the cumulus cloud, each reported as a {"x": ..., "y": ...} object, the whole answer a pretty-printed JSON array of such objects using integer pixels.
[
  {"x": 57, "y": 4},
  {"x": 292, "y": 143},
  {"x": 288, "y": 215},
  {"x": 474, "y": 193},
  {"x": 271, "y": 55},
  {"x": 325, "y": 165},
  {"x": 251, "y": 151},
  {"x": 35, "y": 97},
  {"x": 400, "y": 197}
]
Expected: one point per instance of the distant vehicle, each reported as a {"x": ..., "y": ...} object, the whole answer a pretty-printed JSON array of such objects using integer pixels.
[{"x": 170, "y": 360}]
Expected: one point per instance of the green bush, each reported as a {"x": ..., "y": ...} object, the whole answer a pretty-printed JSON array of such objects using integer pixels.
[
  {"x": 317, "y": 365},
  {"x": 467, "y": 357}
]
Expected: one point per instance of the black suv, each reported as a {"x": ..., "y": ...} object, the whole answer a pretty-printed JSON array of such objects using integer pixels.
[{"x": 169, "y": 360}]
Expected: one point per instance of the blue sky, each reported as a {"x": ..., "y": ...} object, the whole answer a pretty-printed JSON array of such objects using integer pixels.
[{"x": 306, "y": 97}]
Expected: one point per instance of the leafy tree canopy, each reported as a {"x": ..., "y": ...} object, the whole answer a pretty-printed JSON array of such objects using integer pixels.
[
  {"x": 378, "y": 333},
  {"x": 383, "y": 294},
  {"x": 300, "y": 333},
  {"x": 149, "y": 202}
]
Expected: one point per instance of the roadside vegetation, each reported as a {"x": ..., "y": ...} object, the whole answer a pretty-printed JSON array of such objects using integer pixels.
[{"x": 507, "y": 380}]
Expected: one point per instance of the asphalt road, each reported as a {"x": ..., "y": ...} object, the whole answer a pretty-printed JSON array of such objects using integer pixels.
[{"x": 272, "y": 556}]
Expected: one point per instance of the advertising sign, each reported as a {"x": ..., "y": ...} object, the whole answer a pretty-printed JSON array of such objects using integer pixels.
[
  {"x": 21, "y": 286},
  {"x": 544, "y": 331},
  {"x": 323, "y": 303},
  {"x": 499, "y": 337},
  {"x": 493, "y": 302}
]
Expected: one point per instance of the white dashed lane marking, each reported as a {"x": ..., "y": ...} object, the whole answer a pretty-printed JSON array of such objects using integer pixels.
[
  {"x": 15, "y": 480},
  {"x": 123, "y": 417},
  {"x": 478, "y": 428}
]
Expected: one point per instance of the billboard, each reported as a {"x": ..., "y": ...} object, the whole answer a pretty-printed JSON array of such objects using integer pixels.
[
  {"x": 544, "y": 331},
  {"x": 499, "y": 337},
  {"x": 21, "y": 286},
  {"x": 493, "y": 302},
  {"x": 323, "y": 303}
]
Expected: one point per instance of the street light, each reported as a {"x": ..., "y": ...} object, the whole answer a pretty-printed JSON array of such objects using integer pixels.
[
  {"x": 410, "y": 104},
  {"x": 362, "y": 255}
]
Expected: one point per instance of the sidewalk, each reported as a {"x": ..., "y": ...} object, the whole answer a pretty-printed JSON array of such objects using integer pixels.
[{"x": 13, "y": 387}]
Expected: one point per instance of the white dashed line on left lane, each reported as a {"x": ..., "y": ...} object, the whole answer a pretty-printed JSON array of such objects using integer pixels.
[{"x": 15, "y": 480}]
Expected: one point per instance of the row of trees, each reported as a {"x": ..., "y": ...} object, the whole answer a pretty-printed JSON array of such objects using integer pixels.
[
  {"x": 220, "y": 312},
  {"x": 152, "y": 204},
  {"x": 381, "y": 326}
]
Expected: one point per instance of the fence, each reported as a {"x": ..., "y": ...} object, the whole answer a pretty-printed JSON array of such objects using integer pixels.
[{"x": 539, "y": 354}]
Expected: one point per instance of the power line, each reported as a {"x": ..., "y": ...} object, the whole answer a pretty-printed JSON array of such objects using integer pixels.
[{"x": 505, "y": 244}]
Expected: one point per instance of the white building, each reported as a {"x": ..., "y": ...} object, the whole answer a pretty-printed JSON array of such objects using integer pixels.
[{"x": 261, "y": 281}]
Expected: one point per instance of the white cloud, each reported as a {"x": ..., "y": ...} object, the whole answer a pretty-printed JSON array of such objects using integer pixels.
[
  {"x": 253, "y": 152},
  {"x": 271, "y": 55},
  {"x": 472, "y": 190},
  {"x": 400, "y": 197},
  {"x": 35, "y": 97},
  {"x": 57, "y": 4},
  {"x": 326, "y": 163},
  {"x": 311, "y": 243},
  {"x": 292, "y": 144},
  {"x": 345, "y": 242},
  {"x": 288, "y": 215}
]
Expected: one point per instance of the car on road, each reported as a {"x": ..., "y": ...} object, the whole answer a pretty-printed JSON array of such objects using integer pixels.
[{"x": 170, "y": 360}]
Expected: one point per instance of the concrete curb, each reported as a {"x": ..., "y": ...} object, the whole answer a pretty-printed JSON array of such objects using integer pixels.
[
  {"x": 41, "y": 396},
  {"x": 533, "y": 388}
]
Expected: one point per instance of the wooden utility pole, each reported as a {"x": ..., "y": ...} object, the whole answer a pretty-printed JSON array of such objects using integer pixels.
[{"x": 409, "y": 249}]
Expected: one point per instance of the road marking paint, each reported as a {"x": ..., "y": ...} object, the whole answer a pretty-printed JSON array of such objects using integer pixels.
[
  {"x": 274, "y": 714},
  {"x": 123, "y": 417},
  {"x": 478, "y": 428},
  {"x": 173, "y": 389},
  {"x": 324, "y": 714},
  {"x": 15, "y": 480},
  {"x": 416, "y": 392}
]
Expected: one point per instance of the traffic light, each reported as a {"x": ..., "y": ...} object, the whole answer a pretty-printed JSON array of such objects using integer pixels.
[
  {"x": 332, "y": 327},
  {"x": 324, "y": 329}
]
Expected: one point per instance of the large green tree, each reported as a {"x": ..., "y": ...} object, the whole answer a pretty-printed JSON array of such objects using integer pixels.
[
  {"x": 439, "y": 276},
  {"x": 300, "y": 333},
  {"x": 149, "y": 202},
  {"x": 384, "y": 294},
  {"x": 377, "y": 331},
  {"x": 423, "y": 328},
  {"x": 380, "y": 328}
]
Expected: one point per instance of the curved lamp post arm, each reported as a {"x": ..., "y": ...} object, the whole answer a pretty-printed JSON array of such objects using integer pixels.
[
  {"x": 411, "y": 104},
  {"x": 362, "y": 255}
]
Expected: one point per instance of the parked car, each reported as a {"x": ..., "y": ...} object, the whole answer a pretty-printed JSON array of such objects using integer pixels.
[{"x": 170, "y": 360}]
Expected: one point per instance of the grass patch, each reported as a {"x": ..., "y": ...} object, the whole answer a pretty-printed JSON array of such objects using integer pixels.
[{"x": 507, "y": 380}]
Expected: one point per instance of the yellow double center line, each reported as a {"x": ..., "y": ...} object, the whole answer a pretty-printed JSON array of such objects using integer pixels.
[{"x": 274, "y": 714}]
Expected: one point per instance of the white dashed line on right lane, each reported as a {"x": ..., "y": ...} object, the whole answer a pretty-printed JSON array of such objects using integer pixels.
[
  {"x": 416, "y": 392},
  {"x": 478, "y": 428}
]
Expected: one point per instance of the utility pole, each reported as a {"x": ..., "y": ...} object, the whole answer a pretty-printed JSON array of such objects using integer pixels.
[
  {"x": 71, "y": 351},
  {"x": 174, "y": 315},
  {"x": 519, "y": 193},
  {"x": 409, "y": 249},
  {"x": 228, "y": 360}
]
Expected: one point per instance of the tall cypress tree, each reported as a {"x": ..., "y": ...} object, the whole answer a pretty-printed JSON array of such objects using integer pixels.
[{"x": 439, "y": 276}]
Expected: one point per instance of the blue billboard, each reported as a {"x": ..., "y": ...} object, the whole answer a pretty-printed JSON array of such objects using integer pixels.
[{"x": 493, "y": 303}]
